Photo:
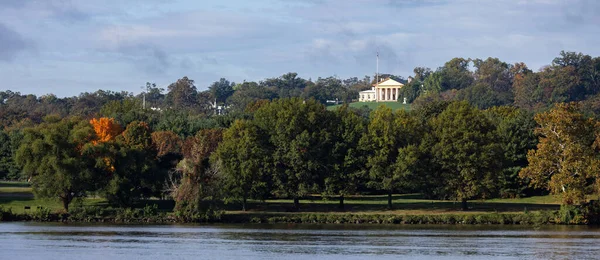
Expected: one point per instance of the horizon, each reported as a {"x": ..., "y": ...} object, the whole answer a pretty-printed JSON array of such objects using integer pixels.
[{"x": 73, "y": 47}]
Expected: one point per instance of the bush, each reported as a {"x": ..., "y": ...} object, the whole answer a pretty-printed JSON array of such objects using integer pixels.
[
  {"x": 6, "y": 214},
  {"x": 41, "y": 214}
]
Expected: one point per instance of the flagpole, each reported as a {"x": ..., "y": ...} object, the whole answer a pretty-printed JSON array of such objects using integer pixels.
[{"x": 377, "y": 77}]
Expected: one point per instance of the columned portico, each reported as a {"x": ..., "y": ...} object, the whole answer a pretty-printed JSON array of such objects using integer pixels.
[{"x": 386, "y": 91}]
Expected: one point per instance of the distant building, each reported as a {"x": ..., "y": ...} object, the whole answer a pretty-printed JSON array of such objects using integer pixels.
[{"x": 387, "y": 90}]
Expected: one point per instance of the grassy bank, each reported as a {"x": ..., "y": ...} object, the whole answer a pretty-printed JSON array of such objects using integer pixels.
[{"x": 408, "y": 209}]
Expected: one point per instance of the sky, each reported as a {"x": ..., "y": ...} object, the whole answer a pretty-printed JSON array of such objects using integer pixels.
[{"x": 65, "y": 47}]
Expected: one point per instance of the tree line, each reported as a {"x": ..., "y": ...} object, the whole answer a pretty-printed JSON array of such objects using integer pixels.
[
  {"x": 293, "y": 148},
  {"x": 471, "y": 134}
]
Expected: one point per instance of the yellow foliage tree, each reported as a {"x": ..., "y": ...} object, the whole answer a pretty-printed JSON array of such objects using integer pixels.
[{"x": 106, "y": 129}]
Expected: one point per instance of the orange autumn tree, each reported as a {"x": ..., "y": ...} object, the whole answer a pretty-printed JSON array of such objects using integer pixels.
[{"x": 106, "y": 129}]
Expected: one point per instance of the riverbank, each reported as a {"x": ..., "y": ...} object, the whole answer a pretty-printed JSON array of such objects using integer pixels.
[
  {"x": 17, "y": 203},
  {"x": 140, "y": 216}
]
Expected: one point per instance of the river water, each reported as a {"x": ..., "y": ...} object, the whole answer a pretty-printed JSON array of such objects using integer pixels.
[{"x": 261, "y": 241}]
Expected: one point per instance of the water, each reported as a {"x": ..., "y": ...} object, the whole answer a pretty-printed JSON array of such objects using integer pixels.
[{"x": 258, "y": 241}]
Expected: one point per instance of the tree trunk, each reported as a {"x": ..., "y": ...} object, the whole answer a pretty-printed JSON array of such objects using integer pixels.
[
  {"x": 390, "y": 200},
  {"x": 297, "y": 203},
  {"x": 66, "y": 200},
  {"x": 244, "y": 204},
  {"x": 464, "y": 205},
  {"x": 342, "y": 202}
]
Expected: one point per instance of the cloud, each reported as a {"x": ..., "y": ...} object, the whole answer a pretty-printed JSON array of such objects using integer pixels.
[
  {"x": 148, "y": 58},
  {"x": 11, "y": 43}
]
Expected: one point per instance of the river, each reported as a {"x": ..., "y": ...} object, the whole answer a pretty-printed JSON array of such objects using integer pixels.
[{"x": 262, "y": 241}]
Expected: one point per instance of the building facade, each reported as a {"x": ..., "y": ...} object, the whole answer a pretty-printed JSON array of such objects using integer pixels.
[{"x": 387, "y": 90}]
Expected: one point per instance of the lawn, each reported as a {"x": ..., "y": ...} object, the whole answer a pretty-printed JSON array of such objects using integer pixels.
[
  {"x": 18, "y": 195},
  {"x": 374, "y": 105},
  {"x": 403, "y": 204}
]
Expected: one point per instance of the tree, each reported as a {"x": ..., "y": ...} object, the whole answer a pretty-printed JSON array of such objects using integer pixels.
[
  {"x": 299, "y": 141},
  {"x": 515, "y": 133},
  {"x": 200, "y": 179},
  {"x": 559, "y": 84},
  {"x": 53, "y": 155},
  {"x": 182, "y": 94},
  {"x": 133, "y": 174},
  {"x": 466, "y": 152},
  {"x": 244, "y": 161},
  {"x": 221, "y": 90},
  {"x": 106, "y": 129},
  {"x": 125, "y": 111},
  {"x": 456, "y": 74},
  {"x": 7, "y": 164},
  {"x": 496, "y": 75},
  {"x": 247, "y": 93},
  {"x": 326, "y": 89},
  {"x": 166, "y": 142},
  {"x": 346, "y": 158},
  {"x": 564, "y": 161},
  {"x": 421, "y": 73},
  {"x": 286, "y": 86},
  {"x": 433, "y": 83},
  {"x": 389, "y": 135},
  {"x": 525, "y": 87},
  {"x": 480, "y": 95}
]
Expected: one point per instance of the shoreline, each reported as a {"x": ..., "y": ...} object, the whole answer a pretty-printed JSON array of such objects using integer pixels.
[{"x": 529, "y": 218}]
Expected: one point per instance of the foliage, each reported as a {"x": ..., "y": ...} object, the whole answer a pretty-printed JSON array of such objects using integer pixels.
[
  {"x": 106, "y": 129},
  {"x": 564, "y": 161},
  {"x": 221, "y": 90},
  {"x": 244, "y": 159},
  {"x": 199, "y": 186},
  {"x": 389, "y": 142},
  {"x": 134, "y": 174},
  {"x": 466, "y": 151},
  {"x": 53, "y": 155},
  {"x": 346, "y": 158},
  {"x": 299, "y": 141}
]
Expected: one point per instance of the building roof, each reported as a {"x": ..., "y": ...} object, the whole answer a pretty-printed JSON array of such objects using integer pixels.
[
  {"x": 388, "y": 82},
  {"x": 367, "y": 91}
]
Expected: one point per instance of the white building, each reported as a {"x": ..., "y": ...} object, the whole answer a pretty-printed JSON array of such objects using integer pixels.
[{"x": 386, "y": 90}]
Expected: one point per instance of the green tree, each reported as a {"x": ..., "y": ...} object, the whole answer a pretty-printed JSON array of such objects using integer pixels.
[
  {"x": 248, "y": 93},
  {"x": 53, "y": 155},
  {"x": 387, "y": 137},
  {"x": 325, "y": 89},
  {"x": 6, "y": 157},
  {"x": 221, "y": 90},
  {"x": 286, "y": 86},
  {"x": 182, "y": 94},
  {"x": 433, "y": 83},
  {"x": 515, "y": 134},
  {"x": 244, "y": 160},
  {"x": 456, "y": 74},
  {"x": 466, "y": 151},
  {"x": 134, "y": 174},
  {"x": 564, "y": 161},
  {"x": 299, "y": 140},
  {"x": 346, "y": 158}
]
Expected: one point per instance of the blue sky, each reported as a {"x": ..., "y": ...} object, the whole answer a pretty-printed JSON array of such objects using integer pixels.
[{"x": 66, "y": 47}]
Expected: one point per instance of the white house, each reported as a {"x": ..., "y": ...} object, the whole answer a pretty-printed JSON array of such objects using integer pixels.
[{"x": 386, "y": 90}]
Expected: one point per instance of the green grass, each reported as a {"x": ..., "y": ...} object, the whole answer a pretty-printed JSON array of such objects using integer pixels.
[
  {"x": 18, "y": 195},
  {"x": 374, "y": 105},
  {"x": 402, "y": 204}
]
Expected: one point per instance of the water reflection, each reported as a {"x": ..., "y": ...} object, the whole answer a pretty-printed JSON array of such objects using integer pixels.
[{"x": 56, "y": 241}]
